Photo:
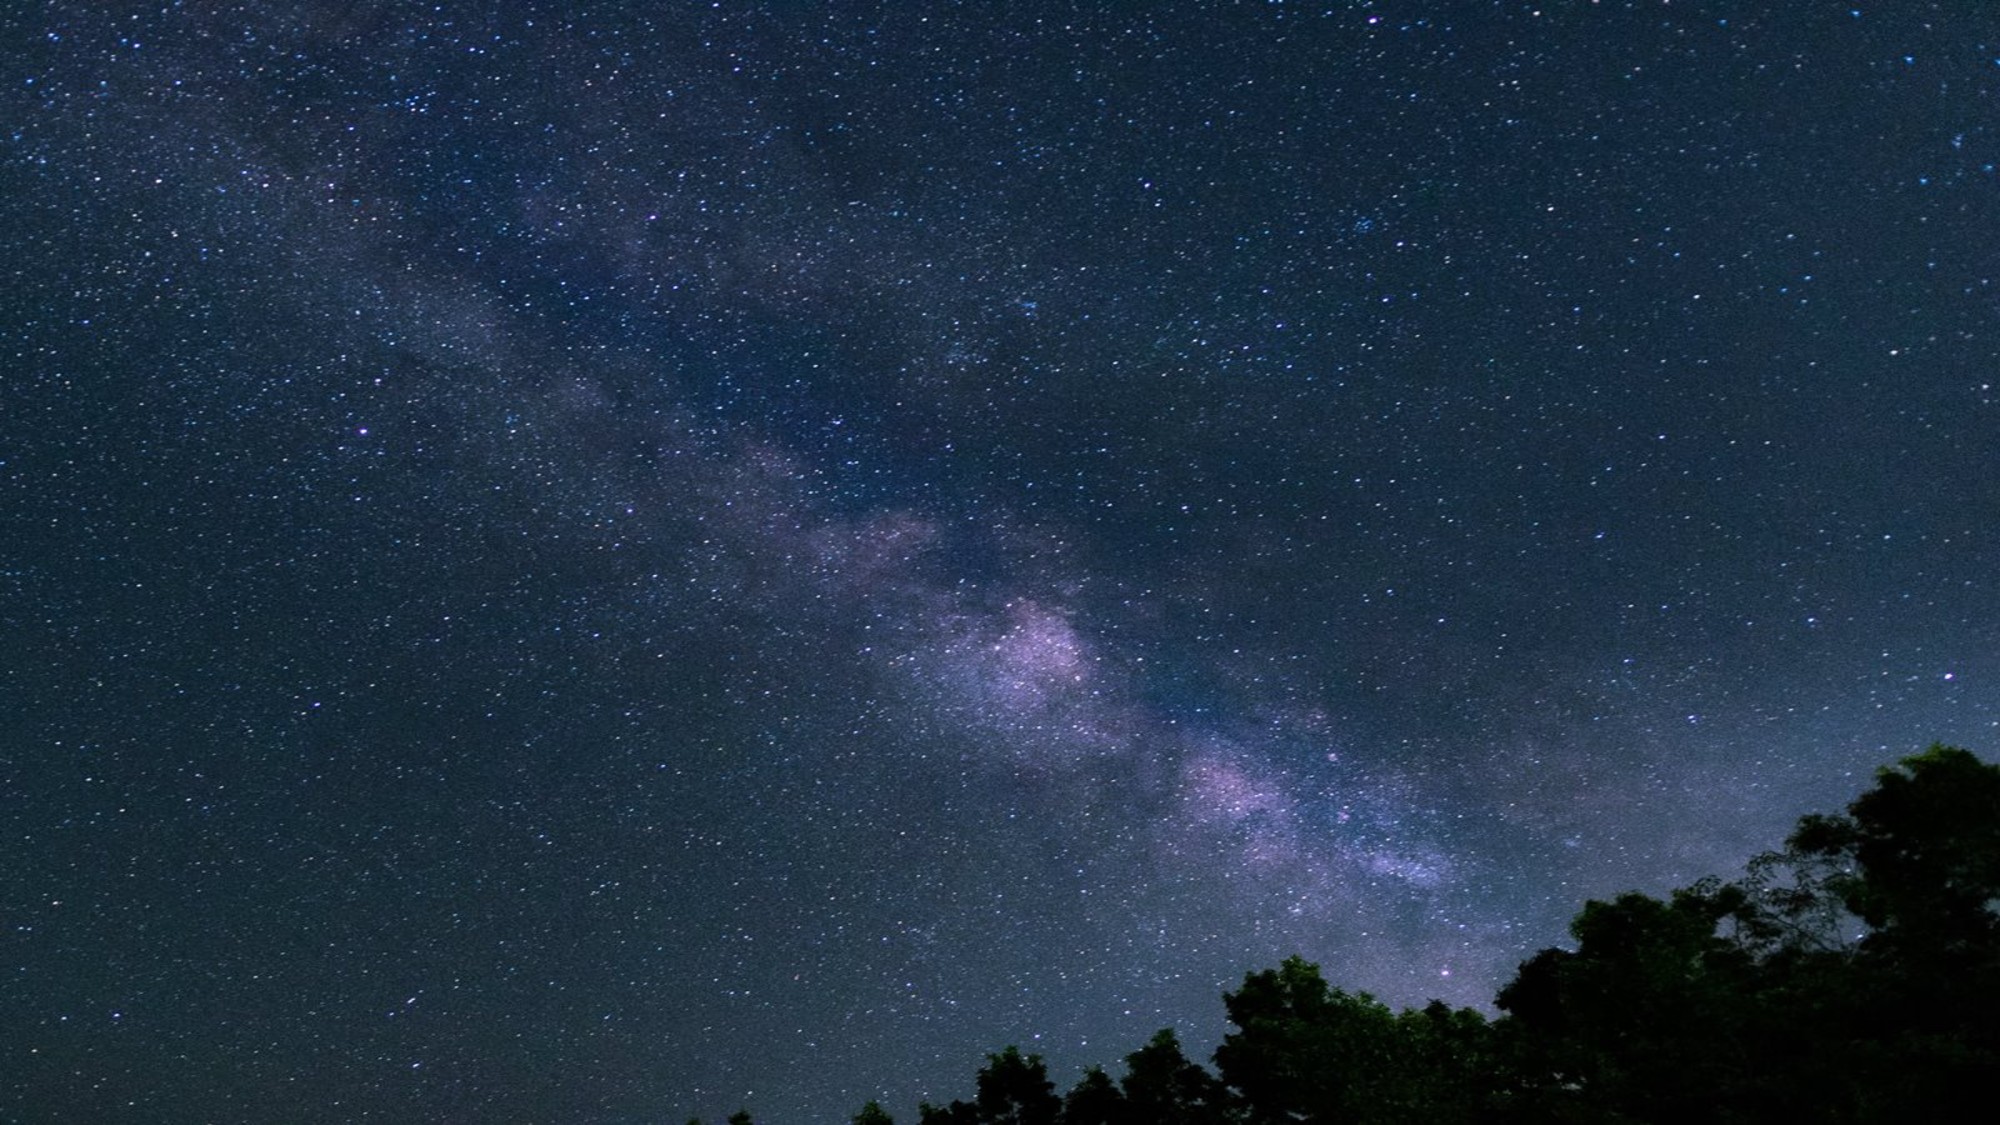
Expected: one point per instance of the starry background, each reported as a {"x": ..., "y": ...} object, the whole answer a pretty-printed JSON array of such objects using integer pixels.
[{"x": 600, "y": 562}]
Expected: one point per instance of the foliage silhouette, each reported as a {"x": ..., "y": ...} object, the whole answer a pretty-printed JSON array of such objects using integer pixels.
[
  {"x": 1161, "y": 1085},
  {"x": 1095, "y": 1100},
  {"x": 1013, "y": 1090},
  {"x": 1852, "y": 977},
  {"x": 873, "y": 1114}
]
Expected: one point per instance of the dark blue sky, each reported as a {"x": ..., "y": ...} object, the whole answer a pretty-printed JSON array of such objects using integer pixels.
[{"x": 602, "y": 562}]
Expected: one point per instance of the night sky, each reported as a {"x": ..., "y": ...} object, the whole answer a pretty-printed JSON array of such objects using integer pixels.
[{"x": 580, "y": 562}]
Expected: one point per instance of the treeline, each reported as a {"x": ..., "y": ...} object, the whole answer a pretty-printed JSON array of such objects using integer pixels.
[{"x": 1853, "y": 976}]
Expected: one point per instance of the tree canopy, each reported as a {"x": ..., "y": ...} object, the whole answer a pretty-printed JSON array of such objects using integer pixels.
[{"x": 1852, "y": 976}]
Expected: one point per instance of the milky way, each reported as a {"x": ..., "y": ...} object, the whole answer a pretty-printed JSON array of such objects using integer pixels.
[{"x": 607, "y": 562}]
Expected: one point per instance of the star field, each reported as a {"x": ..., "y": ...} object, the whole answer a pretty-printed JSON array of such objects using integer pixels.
[{"x": 606, "y": 562}]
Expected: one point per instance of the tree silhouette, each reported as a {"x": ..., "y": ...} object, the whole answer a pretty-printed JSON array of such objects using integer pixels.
[
  {"x": 873, "y": 1114},
  {"x": 1013, "y": 1090},
  {"x": 1163, "y": 1087},
  {"x": 1095, "y": 1100},
  {"x": 1920, "y": 996},
  {"x": 1643, "y": 1019},
  {"x": 1924, "y": 845},
  {"x": 1305, "y": 1051},
  {"x": 1852, "y": 977}
]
